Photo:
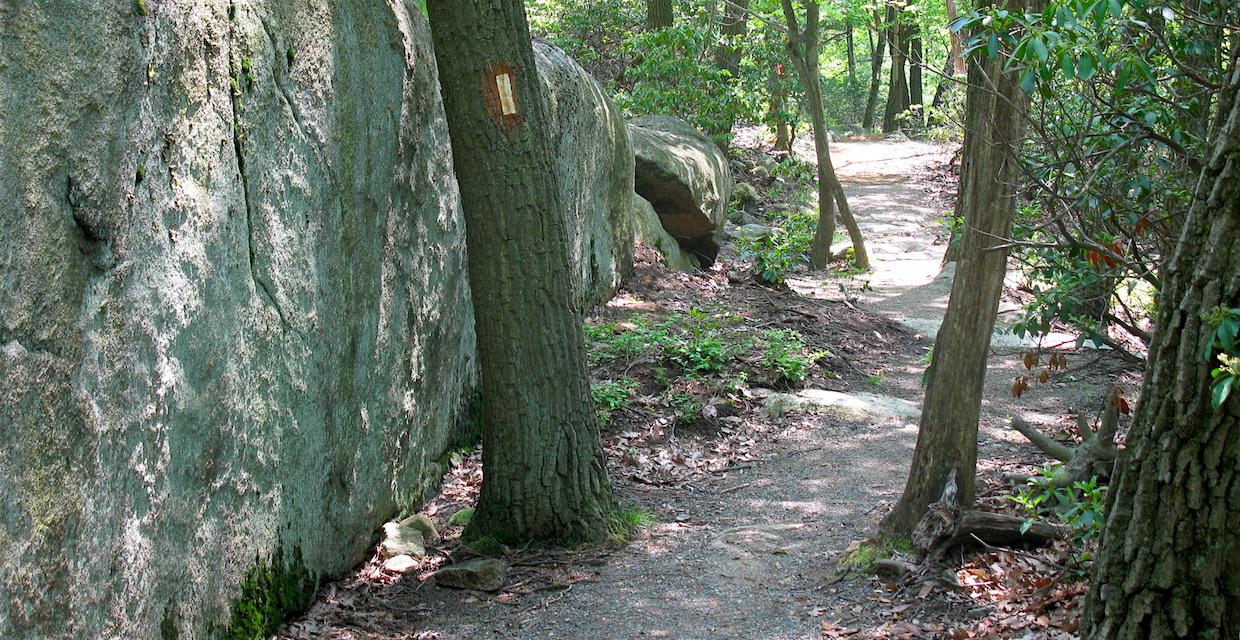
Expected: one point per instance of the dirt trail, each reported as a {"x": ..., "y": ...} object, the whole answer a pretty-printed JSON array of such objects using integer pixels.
[{"x": 748, "y": 553}]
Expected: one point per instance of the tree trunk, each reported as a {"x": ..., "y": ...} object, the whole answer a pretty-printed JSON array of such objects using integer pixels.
[
  {"x": 861, "y": 258},
  {"x": 953, "y": 66},
  {"x": 947, "y": 439},
  {"x": 659, "y": 14},
  {"x": 775, "y": 116},
  {"x": 728, "y": 52},
  {"x": 802, "y": 47},
  {"x": 853, "y": 89},
  {"x": 735, "y": 21},
  {"x": 546, "y": 477},
  {"x": 1168, "y": 565},
  {"x": 915, "y": 94},
  {"x": 897, "y": 87},
  {"x": 876, "y": 72}
]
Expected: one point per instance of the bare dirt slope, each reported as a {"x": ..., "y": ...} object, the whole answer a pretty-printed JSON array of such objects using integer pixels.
[{"x": 749, "y": 551}]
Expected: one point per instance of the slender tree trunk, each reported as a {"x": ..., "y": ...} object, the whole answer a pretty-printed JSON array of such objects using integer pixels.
[
  {"x": 897, "y": 88},
  {"x": 1168, "y": 565},
  {"x": 854, "y": 92},
  {"x": 947, "y": 439},
  {"x": 659, "y": 14},
  {"x": 860, "y": 256},
  {"x": 546, "y": 477},
  {"x": 915, "y": 93},
  {"x": 775, "y": 116},
  {"x": 876, "y": 72},
  {"x": 803, "y": 49},
  {"x": 953, "y": 66}
]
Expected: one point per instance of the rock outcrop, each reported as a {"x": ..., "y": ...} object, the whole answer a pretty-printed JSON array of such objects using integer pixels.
[
  {"x": 235, "y": 321},
  {"x": 686, "y": 178},
  {"x": 594, "y": 163},
  {"x": 651, "y": 233}
]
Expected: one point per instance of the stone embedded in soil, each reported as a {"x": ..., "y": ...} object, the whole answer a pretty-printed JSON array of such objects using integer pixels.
[
  {"x": 400, "y": 564},
  {"x": 856, "y": 406},
  {"x": 402, "y": 540},
  {"x": 481, "y": 574},
  {"x": 423, "y": 523}
]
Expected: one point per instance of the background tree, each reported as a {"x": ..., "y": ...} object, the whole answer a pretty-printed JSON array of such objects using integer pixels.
[
  {"x": 545, "y": 475},
  {"x": 660, "y": 14},
  {"x": 803, "y": 50},
  {"x": 947, "y": 439},
  {"x": 1169, "y": 560},
  {"x": 879, "y": 40}
]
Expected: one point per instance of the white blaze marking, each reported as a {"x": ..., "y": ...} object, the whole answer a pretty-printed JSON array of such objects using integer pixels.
[{"x": 506, "y": 104}]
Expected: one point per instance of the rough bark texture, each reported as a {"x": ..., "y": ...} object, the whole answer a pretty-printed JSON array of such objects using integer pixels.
[
  {"x": 1168, "y": 565},
  {"x": 994, "y": 126},
  {"x": 897, "y": 86},
  {"x": 546, "y": 478},
  {"x": 234, "y": 318},
  {"x": 733, "y": 28},
  {"x": 660, "y": 14}
]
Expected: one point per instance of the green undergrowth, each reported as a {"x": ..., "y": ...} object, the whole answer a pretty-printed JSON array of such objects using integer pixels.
[
  {"x": 680, "y": 361},
  {"x": 273, "y": 590},
  {"x": 871, "y": 551}
]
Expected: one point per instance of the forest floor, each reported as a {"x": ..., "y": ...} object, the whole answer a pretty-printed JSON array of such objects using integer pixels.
[{"x": 750, "y": 503}]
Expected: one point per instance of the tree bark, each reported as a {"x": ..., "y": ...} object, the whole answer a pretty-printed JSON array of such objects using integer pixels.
[
  {"x": 775, "y": 116},
  {"x": 546, "y": 477},
  {"x": 916, "y": 95},
  {"x": 897, "y": 86},
  {"x": 1168, "y": 564},
  {"x": 953, "y": 66},
  {"x": 660, "y": 14},
  {"x": 733, "y": 29},
  {"x": 947, "y": 440},
  {"x": 802, "y": 46},
  {"x": 876, "y": 71}
]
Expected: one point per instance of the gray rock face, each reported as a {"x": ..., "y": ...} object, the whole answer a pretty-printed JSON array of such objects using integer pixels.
[
  {"x": 686, "y": 178},
  {"x": 651, "y": 233},
  {"x": 481, "y": 574},
  {"x": 594, "y": 162},
  {"x": 235, "y": 316}
]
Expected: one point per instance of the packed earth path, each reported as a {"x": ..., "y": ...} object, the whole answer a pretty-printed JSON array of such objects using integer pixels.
[{"x": 752, "y": 550}]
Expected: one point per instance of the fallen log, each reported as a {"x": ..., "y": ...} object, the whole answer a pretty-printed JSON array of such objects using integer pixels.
[{"x": 946, "y": 526}]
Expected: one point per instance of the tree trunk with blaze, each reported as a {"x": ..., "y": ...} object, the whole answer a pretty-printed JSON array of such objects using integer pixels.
[{"x": 545, "y": 475}]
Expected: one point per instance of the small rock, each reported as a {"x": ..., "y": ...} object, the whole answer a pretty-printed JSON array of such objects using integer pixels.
[
  {"x": 889, "y": 568},
  {"x": 401, "y": 540},
  {"x": 481, "y": 574},
  {"x": 761, "y": 173},
  {"x": 744, "y": 193},
  {"x": 752, "y": 231},
  {"x": 423, "y": 523},
  {"x": 461, "y": 518},
  {"x": 399, "y": 564}
]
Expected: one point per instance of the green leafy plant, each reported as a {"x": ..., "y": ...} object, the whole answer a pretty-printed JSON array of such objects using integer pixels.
[
  {"x": 611, "y": 396},
  {"x": 1225, "y": 336},
  {"x": 784, "y": 351},
  {"x": 1079, "y": 506}
]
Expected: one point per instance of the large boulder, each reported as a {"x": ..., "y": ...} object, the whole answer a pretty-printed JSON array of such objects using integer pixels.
[
  {"x": 235, "y": 325},
  {"x": 594, "y": 163},
  {"x": 651, "y": 233},
  {"x": 686, "y": 178}
]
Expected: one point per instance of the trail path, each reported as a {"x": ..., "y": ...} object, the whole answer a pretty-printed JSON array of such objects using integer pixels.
[{"x": 748, "y": 553}]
